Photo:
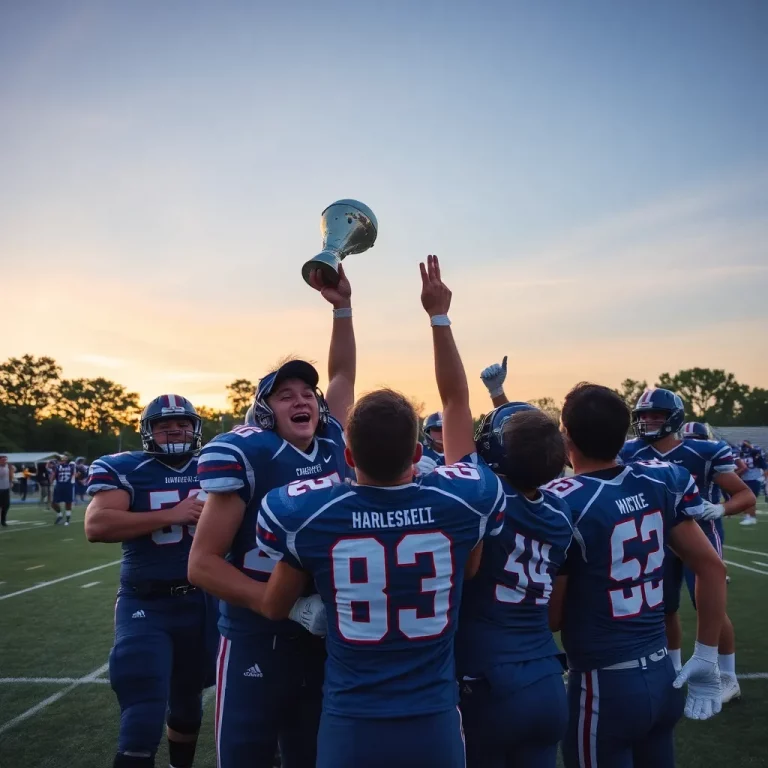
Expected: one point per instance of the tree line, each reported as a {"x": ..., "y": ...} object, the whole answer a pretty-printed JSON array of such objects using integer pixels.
[{"x": 40, "y": 410}]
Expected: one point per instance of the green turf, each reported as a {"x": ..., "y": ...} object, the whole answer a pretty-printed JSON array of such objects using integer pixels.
[{"x": 65, "y": 631}]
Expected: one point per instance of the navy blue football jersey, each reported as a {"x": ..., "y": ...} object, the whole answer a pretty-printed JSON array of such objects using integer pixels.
[
  {"x": 614, "y": 605},
  {"x": 431, "y": 453},
  {"x": 64, "y": 472},
  {"x": 754, "y": 458},
  {"x": 250, "y": 462},
  {"x": 704, "y": 459},
  {"x": 152, "y": 485},
  {"x": 389, "y": 566},
  {"x": 504, "y": 614}
]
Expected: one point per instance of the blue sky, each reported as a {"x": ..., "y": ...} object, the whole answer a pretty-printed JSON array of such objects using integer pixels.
[{"x": 593, "y": 175}]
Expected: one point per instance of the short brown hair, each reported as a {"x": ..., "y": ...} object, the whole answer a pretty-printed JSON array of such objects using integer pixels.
[
  {"x": 597, "y": 420},
  {"x": 382, "y": 430},
  {"x": 534, "y": 450}
]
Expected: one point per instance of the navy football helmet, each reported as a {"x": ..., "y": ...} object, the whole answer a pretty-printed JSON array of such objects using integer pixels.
[
  {"x": 263, "y": 416},
  {"x": 489, "y": 441},
  {"x": 658, "y": 400},
  {"x": 165, "y": 407},
  {"x": 250, "y": 419},
  {"x": 433, "y": 421},
  {"x": 696, "y": 430}
]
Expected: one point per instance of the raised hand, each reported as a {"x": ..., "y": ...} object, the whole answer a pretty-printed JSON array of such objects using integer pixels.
[
  {"x": 435, "y": 295},
  {"x": 494, "y": 377},
  {"x": 339, "y": 295}
]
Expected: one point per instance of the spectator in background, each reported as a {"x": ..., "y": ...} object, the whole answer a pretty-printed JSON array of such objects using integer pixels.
[
  {"x": 6, "y": 481},
  {"x": 44, "y": 479},
  {"x": 24, "y": 483}
]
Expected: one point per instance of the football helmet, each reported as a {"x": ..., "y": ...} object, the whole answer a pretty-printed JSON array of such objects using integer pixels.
[
  {"x": 165, "y": 407},
  {"x": 264, "y": 416},
  {"x": 433, "y": 421},
  {"x": 658, "y": 400},
  {"x": 697, "y": 430},
  {"x": 489, "y": 441}
]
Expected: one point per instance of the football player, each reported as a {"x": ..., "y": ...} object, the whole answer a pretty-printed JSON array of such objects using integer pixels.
[
  {"x": 754, "y": 476},
  {"x": 269, "y": 673},
  {"x": 388, "y": 555},
  {"x": 609, "y": 599},
  {"x": 494, "y": 377},
  {"x": 657, "y": 420},
  {"x": 432, "y": 447},
  {"x": 64, "y": 487},
  {"x": 513, "y": 701},
  {"x": 81, "y": 478},
  {"x": 165, "y": 629}
]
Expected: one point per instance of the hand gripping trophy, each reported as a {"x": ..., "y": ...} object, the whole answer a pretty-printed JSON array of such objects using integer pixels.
[{"x": 348, "y": 226}]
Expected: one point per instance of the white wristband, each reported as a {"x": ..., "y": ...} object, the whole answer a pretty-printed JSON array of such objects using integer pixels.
[
  {"x": 496, "y": 392},
  {"x": 705, "y": 652},
  {"x": 437, "y": 320},
  {"x": 342, "y": 312}
]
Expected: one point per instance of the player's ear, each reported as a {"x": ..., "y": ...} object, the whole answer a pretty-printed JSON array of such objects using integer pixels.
[
  {"x": 417, "y": 453},
  {"x": 348, "y": 457}
]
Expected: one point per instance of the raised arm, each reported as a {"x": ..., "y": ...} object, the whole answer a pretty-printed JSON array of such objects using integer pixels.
[
  {"x": 458, "y": 432},
  {"x": 342, "y": 355},
  {"x": 494, "y": 377}
]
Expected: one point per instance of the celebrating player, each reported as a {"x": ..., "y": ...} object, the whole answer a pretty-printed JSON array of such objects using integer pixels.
[
  {"x": 269, "y": 673},
  {"x": 513, "y": 701},
  {"x": 657, "y": 420},
  {"x": 432, "y": 453},
  {"x": 165, "y": 629},
  {"x": 494, "y": 377},
  {"x": 388, "y": 556},
  {"x": 609, "y": 600},
  {"x": 64, "y": 489}
]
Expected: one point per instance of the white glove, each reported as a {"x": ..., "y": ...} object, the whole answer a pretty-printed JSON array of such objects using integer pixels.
[
  {"x": 712, "y": 511},
  {"x": 494, "y": 377},
  {"x": 310, "y": 613},
  {"x": 702, "y": 674},
  {"x": 426, "y": 465}
]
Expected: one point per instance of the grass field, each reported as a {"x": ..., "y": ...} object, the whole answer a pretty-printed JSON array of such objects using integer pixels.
[{"x": 57, "y": 709}]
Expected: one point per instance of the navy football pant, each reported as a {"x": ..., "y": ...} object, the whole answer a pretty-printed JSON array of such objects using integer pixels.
[
  {"x": 162, "y": 660},
  {"x": 715, "y": 539},
  {"x": 63, "y": 493},
  {"x": 268, "y": 692},
  {"x": 419, "y": 741},
  {"x": 623, "y": 718},
  {"x": 517, "y": 717}
]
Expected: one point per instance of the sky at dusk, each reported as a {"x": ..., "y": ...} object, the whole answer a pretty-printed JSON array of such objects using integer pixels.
[{"x": 593, "y": 176}]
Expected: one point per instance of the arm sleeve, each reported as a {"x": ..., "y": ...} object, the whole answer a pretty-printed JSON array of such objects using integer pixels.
[
  {"x": 102, "y": 476},
  {"x": 272, "y": 535},
  {"x": 223, "y": 467},
  {"x": 688, "y": 503}
]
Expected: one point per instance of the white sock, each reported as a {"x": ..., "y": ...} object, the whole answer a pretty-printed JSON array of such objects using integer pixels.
[
  {"x": 69, "y": 515},
  {"x": 676, "y": 657},
  {"x": 727, "y": 663}
]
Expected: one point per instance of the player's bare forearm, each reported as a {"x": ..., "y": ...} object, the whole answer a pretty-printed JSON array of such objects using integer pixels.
[
  {"x": 458, "y": 434},
  {"x": 710, "y": 603},
  {"x": 689, "y": 543},
  {"x": 211, "y": 572},
  {"x": 285, "y": 587},
  {"x": 342, "y": 368},
  {"x": 501, "y": 399},
  {"x": 108, "y": 526},
  {"x": 741, "y": 499}
]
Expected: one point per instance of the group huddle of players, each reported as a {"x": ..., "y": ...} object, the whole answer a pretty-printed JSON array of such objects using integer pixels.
[{"x": 364, "y": 601}]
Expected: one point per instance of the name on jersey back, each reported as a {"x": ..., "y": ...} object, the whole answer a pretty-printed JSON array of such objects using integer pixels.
[
  {"x": 181, "y": 479},
  {"x": 632, "y": 504},
  {"x": 399, "y": 518}
]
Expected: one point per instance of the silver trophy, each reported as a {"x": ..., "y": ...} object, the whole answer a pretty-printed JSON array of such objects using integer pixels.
[{"x": 348, "y": 226}]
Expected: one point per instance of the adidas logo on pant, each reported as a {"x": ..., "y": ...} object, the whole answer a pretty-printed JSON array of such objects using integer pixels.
[
  {"x": 253, "y": 671},
  {"x": 139, "y": 615}
]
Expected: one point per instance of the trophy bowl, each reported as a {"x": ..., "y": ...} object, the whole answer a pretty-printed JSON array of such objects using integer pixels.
[{"x": 347, "y": 226}]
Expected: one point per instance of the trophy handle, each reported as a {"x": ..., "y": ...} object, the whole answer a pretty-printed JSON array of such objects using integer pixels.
[{"x": 328, "y": 262}]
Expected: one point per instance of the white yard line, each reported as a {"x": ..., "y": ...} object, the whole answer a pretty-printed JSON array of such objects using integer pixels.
[
  {"x": 67, "y": 539},
  {"x": 90, "y": 584},
  {"x": 727, "y": 562},
  {"x": 757, "y": 562},
  {"x": 34, "y": 567},
  {"x": 745, "y": 551},
  {"x": 56, "y": 581},
  {"x": 51, "y": 699},
  {"x": 36, "y": 526},
  {"x": 54, "y": 680}
]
